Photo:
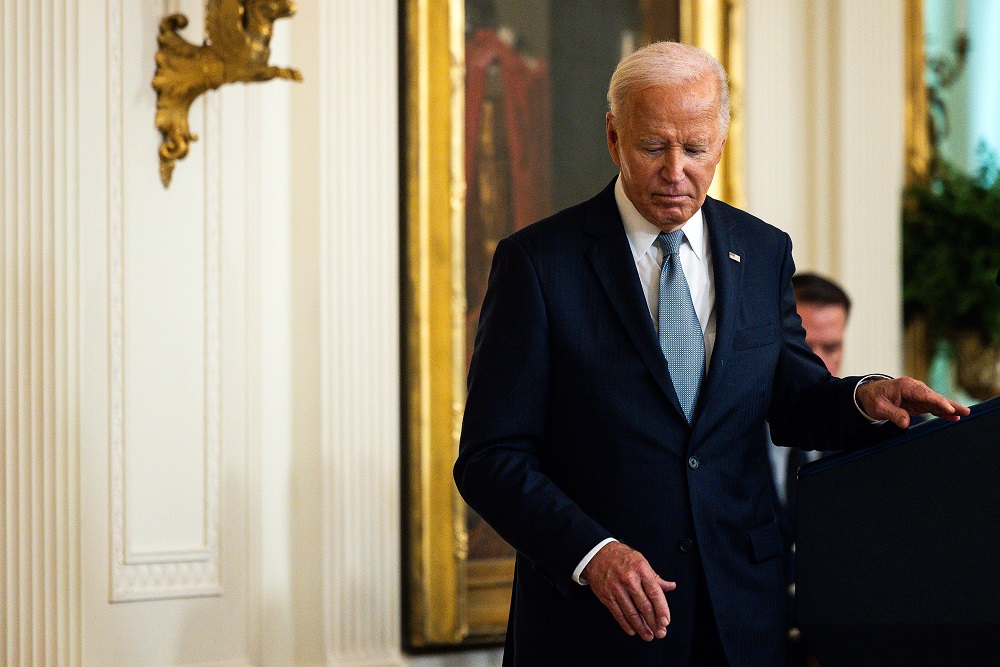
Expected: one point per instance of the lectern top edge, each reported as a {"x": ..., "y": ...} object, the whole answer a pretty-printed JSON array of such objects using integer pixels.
[{"x": 912, "y": 433}]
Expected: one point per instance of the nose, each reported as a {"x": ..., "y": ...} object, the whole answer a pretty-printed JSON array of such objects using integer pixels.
[{"x": 672, "y": 169}]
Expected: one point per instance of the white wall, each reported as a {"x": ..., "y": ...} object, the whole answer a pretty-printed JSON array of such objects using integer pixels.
[
  {"x": 167, "y": 541},
  {"x": 201, "y": 411},
  {"x": 825, "y": 96}
]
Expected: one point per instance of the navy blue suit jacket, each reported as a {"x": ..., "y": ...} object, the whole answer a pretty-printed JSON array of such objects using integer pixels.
[{"x": 573, "y": 433}]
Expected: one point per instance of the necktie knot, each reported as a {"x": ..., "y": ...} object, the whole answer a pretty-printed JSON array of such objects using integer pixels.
[{"x": 670, "y": 243}]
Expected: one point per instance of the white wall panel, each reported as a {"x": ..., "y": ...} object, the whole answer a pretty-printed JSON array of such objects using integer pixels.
[
  {"x": 164, "y": 289},
  {"x": 168, "y": 516},
  {"x": 272, "y": 333}
]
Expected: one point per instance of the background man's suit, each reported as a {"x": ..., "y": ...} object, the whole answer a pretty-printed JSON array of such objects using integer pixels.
[{"x": 573, "y": 433}]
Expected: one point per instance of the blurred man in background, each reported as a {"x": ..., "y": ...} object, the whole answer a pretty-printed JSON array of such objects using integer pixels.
[{"x": 824, "y": 308}]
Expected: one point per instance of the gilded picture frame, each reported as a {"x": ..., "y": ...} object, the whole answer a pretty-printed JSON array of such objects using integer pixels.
[
  {"x": 916, "y": 122},
  {"x": 450, "y": 599},
  {"x": 916, "y": 353}
]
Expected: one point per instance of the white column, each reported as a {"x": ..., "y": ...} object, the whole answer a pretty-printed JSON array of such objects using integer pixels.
[
  {"x": 824, "y": 129},
  {"x": 39, "y": 463},
  {"x": 357, "y": 205},
  {"x": 867, "y": 180}
]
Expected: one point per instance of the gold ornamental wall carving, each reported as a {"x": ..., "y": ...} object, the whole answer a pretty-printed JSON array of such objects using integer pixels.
[{"x": 236, "y": 49}]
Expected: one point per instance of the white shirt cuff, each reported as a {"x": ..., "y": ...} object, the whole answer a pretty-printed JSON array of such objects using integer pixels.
[
  {"x": 586, "y": 561},
  {"x": 865, "y": 380}
]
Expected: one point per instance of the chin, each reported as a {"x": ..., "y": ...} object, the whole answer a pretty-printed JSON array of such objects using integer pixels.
[{"x": 672, "y": 219}]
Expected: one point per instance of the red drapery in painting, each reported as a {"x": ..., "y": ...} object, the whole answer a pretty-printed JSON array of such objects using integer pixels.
[
  {"x": 511, "y": 186},
  {"x": 525, "y": 98}
]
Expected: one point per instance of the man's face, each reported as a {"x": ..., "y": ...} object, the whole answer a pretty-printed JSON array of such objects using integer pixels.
[
  {"x": 667, "y": 143},
  {"x": 824, "y": 325}
]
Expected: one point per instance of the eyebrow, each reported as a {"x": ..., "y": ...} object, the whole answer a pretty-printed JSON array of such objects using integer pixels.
[{"x": 654, "y": 139}]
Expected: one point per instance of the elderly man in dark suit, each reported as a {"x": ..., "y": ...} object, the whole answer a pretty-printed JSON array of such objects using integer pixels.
[{"x": 629, "y": 351}]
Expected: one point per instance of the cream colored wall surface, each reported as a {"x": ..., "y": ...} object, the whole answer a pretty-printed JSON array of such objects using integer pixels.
[
  {"x": 870, "y": 171},
  {"x": 824, "y": 149},
  {"x": 778, "y": 125}
]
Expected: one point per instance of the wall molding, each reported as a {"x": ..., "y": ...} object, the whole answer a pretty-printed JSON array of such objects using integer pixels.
[{"x": 183, "y": 570}]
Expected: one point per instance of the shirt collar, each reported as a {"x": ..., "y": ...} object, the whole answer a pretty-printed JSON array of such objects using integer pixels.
[{"x": 642, "y": 233}]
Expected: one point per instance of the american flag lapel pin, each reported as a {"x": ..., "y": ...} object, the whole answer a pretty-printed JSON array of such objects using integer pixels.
[{"x": 733, "y": 256}]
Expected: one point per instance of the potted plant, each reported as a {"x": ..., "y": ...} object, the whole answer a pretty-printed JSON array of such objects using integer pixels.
[{"x": 951, "y": 256}]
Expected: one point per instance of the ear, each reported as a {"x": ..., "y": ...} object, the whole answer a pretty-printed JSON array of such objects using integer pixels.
[
  {"x": 718, "y": 155},
  {"x": 614, "y": 141}
]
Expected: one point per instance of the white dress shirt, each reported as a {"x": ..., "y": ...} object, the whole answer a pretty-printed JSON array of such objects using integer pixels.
[
  {"x": 779, "y": 465},
  {"x": 696, "y": 260}
]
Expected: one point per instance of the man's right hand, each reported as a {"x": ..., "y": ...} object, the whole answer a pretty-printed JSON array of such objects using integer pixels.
[{"x": 625, "y": 583}]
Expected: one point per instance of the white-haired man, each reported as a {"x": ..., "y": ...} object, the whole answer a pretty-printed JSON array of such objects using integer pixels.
[{"x": 629, "y": 351}]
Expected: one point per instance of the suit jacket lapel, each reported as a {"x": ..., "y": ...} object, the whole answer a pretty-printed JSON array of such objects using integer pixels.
[
  {"x": 728, "y": 273},
  {"x": 611, "y": 258}
]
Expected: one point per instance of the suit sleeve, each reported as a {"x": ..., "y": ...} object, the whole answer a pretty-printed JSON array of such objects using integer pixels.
[
  {"x": 810, "y": 409},
  {"x": 499, "y": 470}
]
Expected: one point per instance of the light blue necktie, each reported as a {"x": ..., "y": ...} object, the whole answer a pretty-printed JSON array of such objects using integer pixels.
[{"x": 681, "y": 337}]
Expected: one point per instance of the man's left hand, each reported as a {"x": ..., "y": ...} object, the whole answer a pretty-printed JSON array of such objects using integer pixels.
[{"x": 897, "y": 399}]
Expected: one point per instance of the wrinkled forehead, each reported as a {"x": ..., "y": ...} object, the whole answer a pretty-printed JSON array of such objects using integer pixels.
[
  {"x": 693, "y": 105},
  {"x": 702, "y": 92}
]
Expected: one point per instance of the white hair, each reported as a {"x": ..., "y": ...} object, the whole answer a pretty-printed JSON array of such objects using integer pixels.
[{"x": 667, "y": 63}]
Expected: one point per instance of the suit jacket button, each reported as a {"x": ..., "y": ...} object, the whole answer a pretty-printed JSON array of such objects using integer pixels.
[
  {"x": 686, "y": 545},
  {"x": 693, "y": 462}
]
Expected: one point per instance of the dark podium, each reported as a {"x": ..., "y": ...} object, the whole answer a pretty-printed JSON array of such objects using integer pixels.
[{"x": 898, "y": 548}]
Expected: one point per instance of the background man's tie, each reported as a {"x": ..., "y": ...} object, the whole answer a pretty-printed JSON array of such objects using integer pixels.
[{"x": 681, "y": 337}]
